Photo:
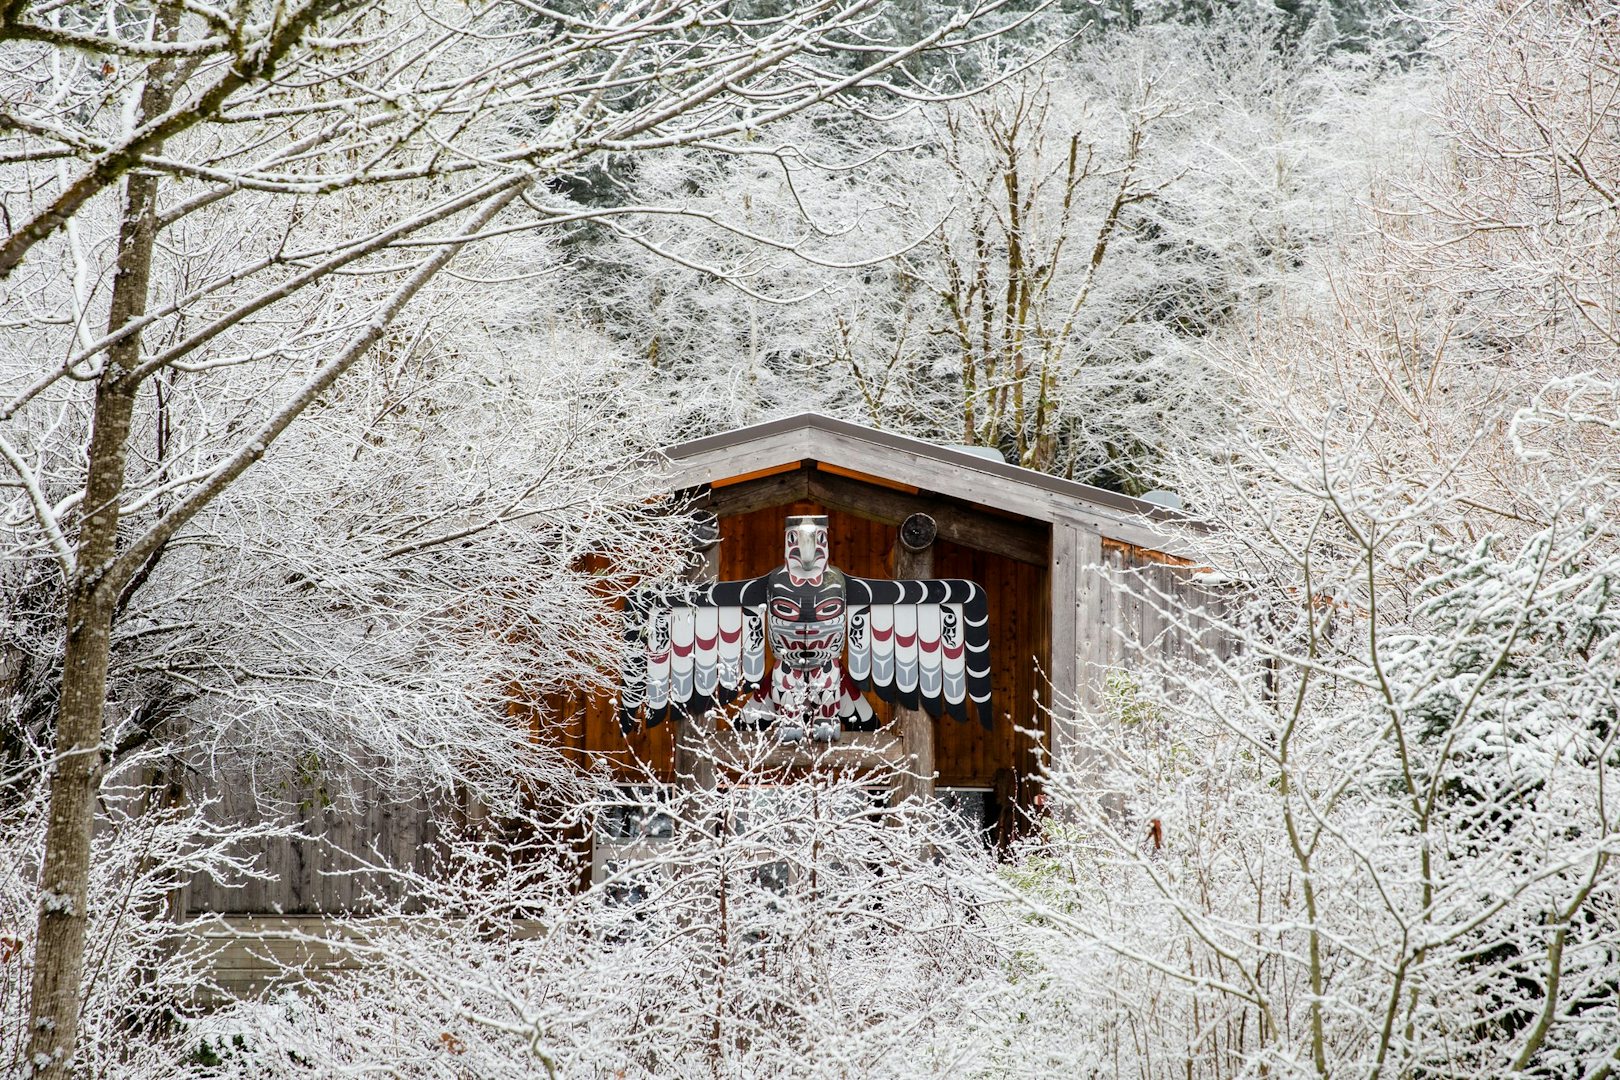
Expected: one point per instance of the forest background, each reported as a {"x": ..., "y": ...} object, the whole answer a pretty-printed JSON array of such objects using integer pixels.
[{"x": 334, "y": 334}]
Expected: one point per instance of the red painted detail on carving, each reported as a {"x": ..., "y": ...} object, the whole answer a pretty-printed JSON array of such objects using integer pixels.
[
  {"x": 658, "y": 657},
  {"x": 682, "y": 650},
  {"x": 882, "y": 635},
  {"x": 706, "y": 644},
  {"x": 928, "y": 645},
  {"x": 904, "y": 641},
  {"x": 728, "y": 636},
  {"x": 956, "y": 653}
]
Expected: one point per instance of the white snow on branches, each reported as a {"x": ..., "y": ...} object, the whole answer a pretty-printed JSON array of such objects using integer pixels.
[{"x": 368, "y": 320}]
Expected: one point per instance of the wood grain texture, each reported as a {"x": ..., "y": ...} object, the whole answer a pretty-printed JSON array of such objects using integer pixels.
[
  {"x": 317, "y": 876},
  {"x": 911, "y": 462},
  {"x": 965, "y": 754},
  {"x": 912, "y": 559},
  {"x": 956, "y": 521},
  {"x": 1075, "y": 619},
  {"x": 750, "y": 495},
  {"x": 1065, "y": 607},
  {"x": 1138, "y": 607}
]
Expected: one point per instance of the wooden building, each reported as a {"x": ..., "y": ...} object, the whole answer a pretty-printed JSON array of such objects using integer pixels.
[
  {"x": 1054, "y": 557},
  {"x": 1041, "y": 546}
]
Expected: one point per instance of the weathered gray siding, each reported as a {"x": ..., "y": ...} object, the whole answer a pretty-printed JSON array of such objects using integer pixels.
[
  {"x": 1130, "y": 607},
  {"x": 318, "y": 875}
]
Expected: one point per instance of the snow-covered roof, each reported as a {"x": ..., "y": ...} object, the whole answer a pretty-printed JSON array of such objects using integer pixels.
[{"x": 958, "y": 473}]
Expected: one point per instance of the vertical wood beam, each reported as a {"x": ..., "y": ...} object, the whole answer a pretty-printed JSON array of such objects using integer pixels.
[
  {"x": 1091, "y": 631},
  {"x": 1079, "y": 639},
  {"x": 913, "y": 557},
  {"x": 1063, "y": 665},
  {"x": 694, "y": 759},
  {"x": 1090, "y": 634}
]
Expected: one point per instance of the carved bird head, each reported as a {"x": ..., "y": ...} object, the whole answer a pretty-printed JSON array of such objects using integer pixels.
[{"x": 806, "y": 556}]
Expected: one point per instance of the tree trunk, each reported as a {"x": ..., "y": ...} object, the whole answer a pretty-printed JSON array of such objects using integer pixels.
[
  {"x": 92, "y": 596},
  {"x": 914, "y": 558}
]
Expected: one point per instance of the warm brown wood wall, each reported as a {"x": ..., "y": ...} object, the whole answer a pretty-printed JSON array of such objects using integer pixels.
[{"x": 966, "y": 755}]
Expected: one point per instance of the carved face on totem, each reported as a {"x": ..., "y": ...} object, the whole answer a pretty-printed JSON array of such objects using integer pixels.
[{"x": 805, "y": 605}]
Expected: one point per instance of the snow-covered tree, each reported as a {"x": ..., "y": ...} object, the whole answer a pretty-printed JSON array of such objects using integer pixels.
[
  {"x": 1381, "y": 840},
  {"x": 149, "y": 843},
  {"x": 773, "y": 926},
  {"x": 244, "y": 202},
  {"x": 1041, "y": 270},
  {"x": 1359, "y": 310}
]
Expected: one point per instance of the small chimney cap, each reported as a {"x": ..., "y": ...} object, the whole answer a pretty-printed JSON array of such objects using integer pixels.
[{"x": 1161, "y": 497}]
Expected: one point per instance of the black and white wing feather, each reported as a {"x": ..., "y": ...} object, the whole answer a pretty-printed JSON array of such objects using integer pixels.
[
  {"x": 689, "y": 650},
  {"x": 921, "y": 644}
]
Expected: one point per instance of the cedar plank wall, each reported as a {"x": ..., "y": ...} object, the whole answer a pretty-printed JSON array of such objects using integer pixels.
[
  {"x": 752, "y": 544},
  {"x": 589, "y": 725},
  {"x": 307, "y": 877},
  {"x": 1138, "y": 588},
  {"x": 965, "y": 754}
]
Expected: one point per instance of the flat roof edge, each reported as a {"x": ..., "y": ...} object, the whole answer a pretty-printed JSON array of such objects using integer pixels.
[{"x": 1002, "y": 470}]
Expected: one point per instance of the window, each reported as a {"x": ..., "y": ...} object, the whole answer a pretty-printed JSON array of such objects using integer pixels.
[
  {"x": 628, "y": 831},
  {"x": 973, "y": 808}
]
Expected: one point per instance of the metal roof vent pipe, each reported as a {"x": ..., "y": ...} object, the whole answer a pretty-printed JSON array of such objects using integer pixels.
[
  {"x": 1160, "y": 497},
  {"x": 988, "y": 452}
]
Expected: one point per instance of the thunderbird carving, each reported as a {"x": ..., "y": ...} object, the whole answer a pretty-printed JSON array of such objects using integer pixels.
[{"x": 917, "y": 643}]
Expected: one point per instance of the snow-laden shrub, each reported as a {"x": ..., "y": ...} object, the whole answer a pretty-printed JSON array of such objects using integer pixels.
[
  {"x": 146, "y": 976},
  {"x": 776, "y": 929}
]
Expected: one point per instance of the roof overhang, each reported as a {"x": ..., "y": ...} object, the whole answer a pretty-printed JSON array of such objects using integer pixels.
[{"x": 900, "y": 459}]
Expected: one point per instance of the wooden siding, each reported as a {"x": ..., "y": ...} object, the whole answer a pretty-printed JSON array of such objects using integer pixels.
[
  {"x": 1065, "y": 600},
  {"x": 1131, "y": 607},
  {"x": 959, "y": 521},
  {"x": 250, "y": 954},
  {"x": 1150, "y": 605},
  {"x": 1093, "y": 618},
  {"x": 312, "y": 877},
  {"x": 966, "y": 754},
  {"x": 911, "y": 462}
]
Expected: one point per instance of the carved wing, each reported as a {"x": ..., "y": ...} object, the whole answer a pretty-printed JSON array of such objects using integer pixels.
[
  {"x": 691, "y": 649},
  {"x": 921, "y": 644}
]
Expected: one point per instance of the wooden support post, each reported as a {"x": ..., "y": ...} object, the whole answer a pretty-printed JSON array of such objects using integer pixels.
[
  {"x": 1090, "y": 645},
  {"x": 1064, "y": 637},
  {"x": 1090, "y": 635},
  {"x": 694, "y": 757},
  {"x": 914, "y": 558}
]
